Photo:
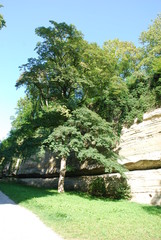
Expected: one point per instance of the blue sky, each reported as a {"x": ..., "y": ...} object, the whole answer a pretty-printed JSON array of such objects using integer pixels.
[{"x": 98, "y": 20}]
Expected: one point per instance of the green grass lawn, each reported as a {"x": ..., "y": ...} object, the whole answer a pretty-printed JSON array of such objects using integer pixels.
[{"x": 78, "y": 216}]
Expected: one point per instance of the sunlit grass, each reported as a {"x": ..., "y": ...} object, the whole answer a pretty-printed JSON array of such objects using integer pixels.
[{"x": 78, "y": 216}]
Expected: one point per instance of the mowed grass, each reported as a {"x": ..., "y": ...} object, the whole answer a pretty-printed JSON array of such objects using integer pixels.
[{"x": 79, "y": 216}]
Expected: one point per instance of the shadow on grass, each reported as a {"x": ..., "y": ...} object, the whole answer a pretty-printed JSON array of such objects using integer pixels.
[
  {"x": 154, "y": 210},
  {"x": 20, "y": 193},
  {"x": 91, "y": 197}
]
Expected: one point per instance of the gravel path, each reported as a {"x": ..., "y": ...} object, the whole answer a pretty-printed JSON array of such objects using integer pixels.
[{"x": 18, "y": 223}]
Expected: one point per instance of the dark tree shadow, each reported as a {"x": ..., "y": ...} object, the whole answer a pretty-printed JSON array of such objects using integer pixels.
[
  {"x": 155, "y": 201},
  {"x": 154, "y": 210},
  {"x": 20, "y": 193},
  {"x": 90, "y": 197}
]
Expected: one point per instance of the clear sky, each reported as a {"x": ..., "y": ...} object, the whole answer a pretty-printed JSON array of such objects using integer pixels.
[{"x": 98, "y": 20}]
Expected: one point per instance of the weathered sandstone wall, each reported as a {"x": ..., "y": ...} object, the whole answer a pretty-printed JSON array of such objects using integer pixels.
[
  {"x": 145, "y": 186},
  {"x": 140, "y": 149},
  {"x": 140, "y": 145}
]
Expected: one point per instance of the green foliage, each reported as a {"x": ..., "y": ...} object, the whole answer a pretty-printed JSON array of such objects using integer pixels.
[
  {"x": 8, "y": 148},
  {"x": 118, "y": 188},
  {"x": 87, "y": 135},
  {"x": 98, "y": 188},
  {"x": 114, "y": 188},
  {"x": 123, "y": 57},
  {"x": 140, "y": 97},
  {"x": 64, "y": 140},
  {"x": 2, "y": 21},
  {"x": 151, "y": 40},
  {"x": 57, "y": 73},
  {"x": 156, "y": 80}
]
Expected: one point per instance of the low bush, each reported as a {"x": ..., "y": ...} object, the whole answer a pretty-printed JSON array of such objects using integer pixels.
[{"x": 113, "y": 187}]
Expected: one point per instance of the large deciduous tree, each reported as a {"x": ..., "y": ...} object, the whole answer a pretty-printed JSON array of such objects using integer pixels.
[
  {"x": 151, "y": 41},
  {"x": 151, "y": 56},
  {"x": 57, "y": 74},
  {"x": 108, "y": 69}
]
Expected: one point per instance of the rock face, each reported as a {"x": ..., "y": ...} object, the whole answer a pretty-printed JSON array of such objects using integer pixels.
[
  {"x": 145, "y": 184},
  {"x": 47, "y": 166},
  {"x": 140, "y": 149},
  {"x": 140, "y": 145}
]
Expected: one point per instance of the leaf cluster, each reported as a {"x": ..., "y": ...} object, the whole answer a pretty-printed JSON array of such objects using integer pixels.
[{"x": 2, "y": 21}]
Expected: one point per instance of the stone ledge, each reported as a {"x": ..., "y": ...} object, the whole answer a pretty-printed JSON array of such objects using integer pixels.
[
  {"x": 153, "y": 114},
  {"x": 145, "y": 184}
]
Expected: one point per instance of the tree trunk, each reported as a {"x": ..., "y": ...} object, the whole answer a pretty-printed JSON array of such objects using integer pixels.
[{"x": 62, "y": 175}]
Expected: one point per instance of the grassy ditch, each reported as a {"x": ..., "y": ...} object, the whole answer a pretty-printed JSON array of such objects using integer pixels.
[{"x": 79, "y": 216}]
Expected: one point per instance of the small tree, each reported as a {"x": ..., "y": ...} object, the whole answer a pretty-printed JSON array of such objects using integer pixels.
[{"x": 89, "y": 137}]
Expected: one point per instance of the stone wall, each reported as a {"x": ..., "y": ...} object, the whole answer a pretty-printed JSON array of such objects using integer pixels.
[
  {"x": 140, "y": 145},
  {"x": 48, "y": 167},
  {"x": 140, "y": 149},
  {"x": 145, "y": 184}
]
